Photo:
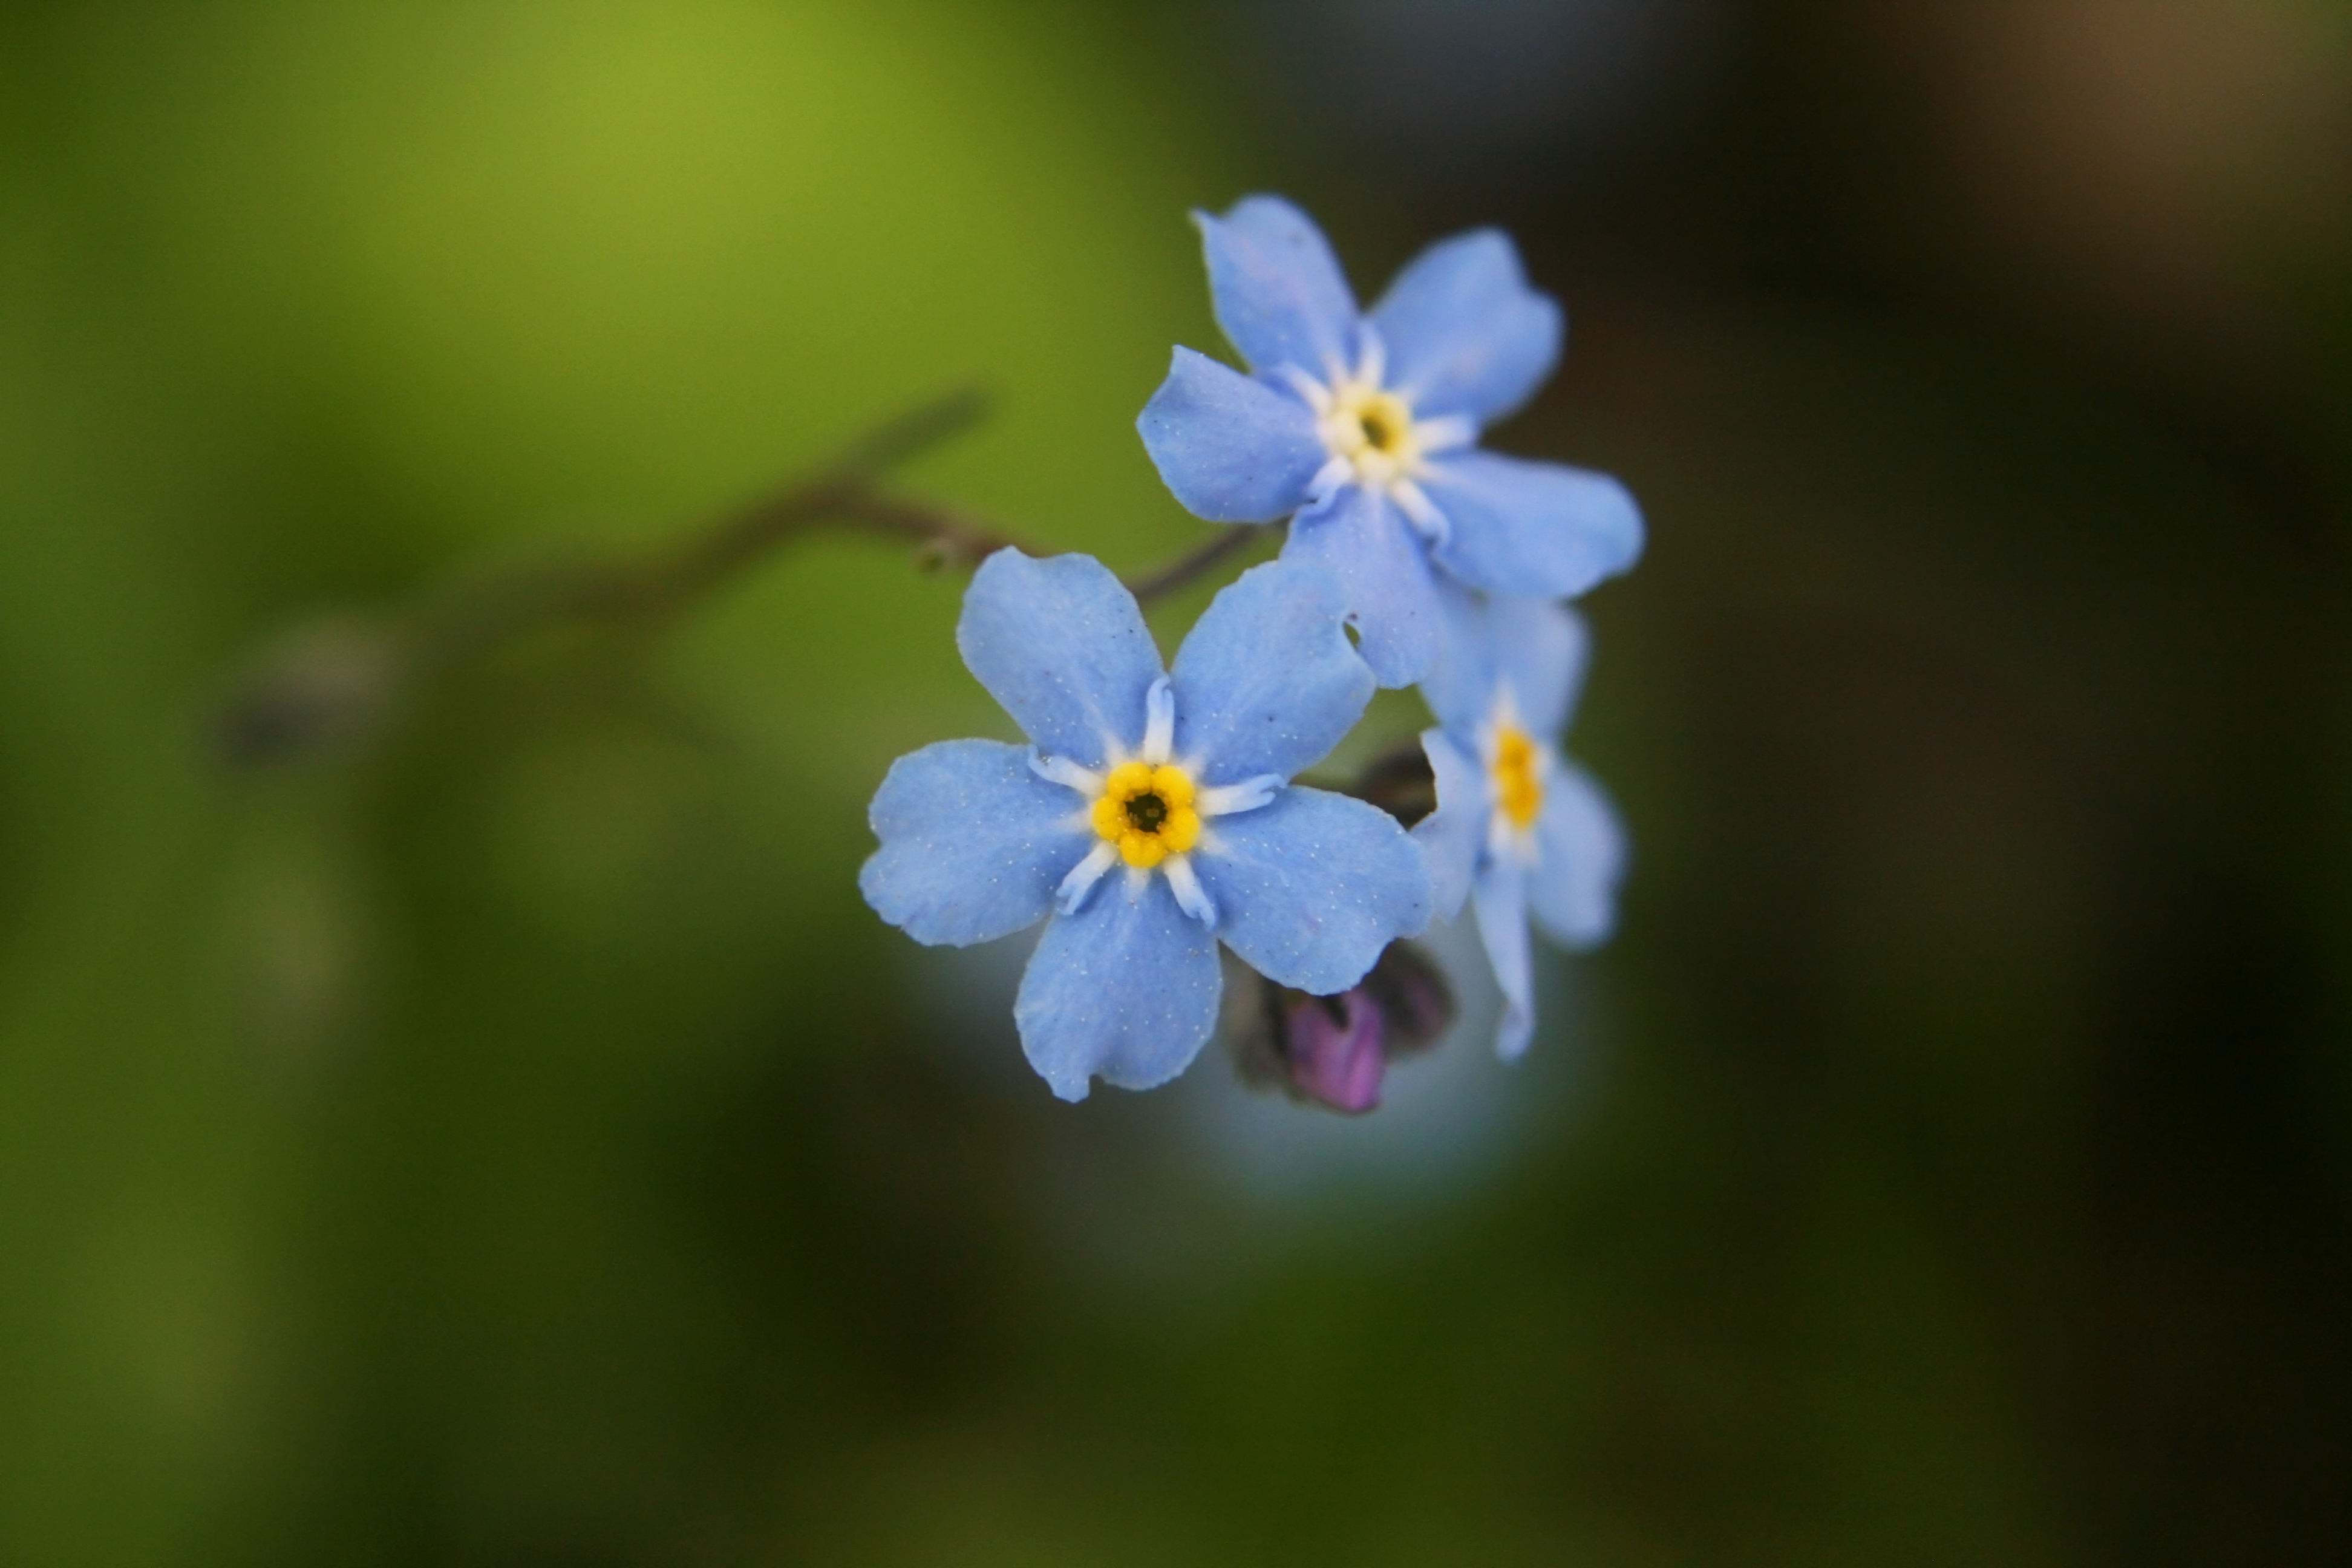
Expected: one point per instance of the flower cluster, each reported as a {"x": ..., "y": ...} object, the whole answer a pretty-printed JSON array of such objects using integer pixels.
[{"x": 1153, "y": 814}]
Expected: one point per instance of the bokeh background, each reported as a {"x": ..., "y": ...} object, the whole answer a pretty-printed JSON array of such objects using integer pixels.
[{"x": 512, "y": 1142}]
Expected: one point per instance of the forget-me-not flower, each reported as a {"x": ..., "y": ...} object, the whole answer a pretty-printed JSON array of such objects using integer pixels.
[
  {"x": 1366, "y": 427},
  {"x": 1151, "y": 816},
  {"x": 1519, "y": 830}
]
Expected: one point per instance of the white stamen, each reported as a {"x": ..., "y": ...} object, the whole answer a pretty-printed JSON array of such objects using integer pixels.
[
  {"x": 1371, "y": 355},
  {"x": 1504, "y": 715},
  {"x": 1330, "y": 477},
  {"x": 1318, "y": 395},
  {"x": 1159, "y": 723},
  {"x": 1190, "y": 897},
  {"x": 1506, "y": 842},
  {"x": 1414, "y": 502},
  {"x": 1226, "y": 800},
  {"x": 1445, "y": 433},
  {"x": 1083, "y": 876},
  {"x": 1062, "y": 771}
]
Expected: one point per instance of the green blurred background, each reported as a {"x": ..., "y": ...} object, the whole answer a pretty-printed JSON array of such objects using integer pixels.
[{"x": 516, "y": 1144}]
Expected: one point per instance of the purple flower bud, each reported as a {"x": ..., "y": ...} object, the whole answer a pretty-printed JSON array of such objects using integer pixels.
[
  {"x": 1412, "y": 998},
  {"x": 1335, "y": 1045},
  {"x": 1334, "y": 1051}
]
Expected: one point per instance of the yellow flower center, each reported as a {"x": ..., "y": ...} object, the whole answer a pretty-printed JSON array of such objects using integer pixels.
[
  {"x": 1373, "y": 429},
  {"x": 1518, "y": 780},
  {"x": 1384, "y": 424},
  {"x": 1148, "y": 811}
]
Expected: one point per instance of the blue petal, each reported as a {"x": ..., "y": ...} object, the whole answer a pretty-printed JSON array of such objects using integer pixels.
[
  {"x": 973, "y": 843},
  {"x": 1541, "y": 650},
  {"x": 1501, "y": 901},
  {"x": 1267, "y": 683},
  {"x": 1538, "y": 647},
  {"x": 1460, "y": 685},
  {"x": 1361, "y": 539},
  {"x": 1454, "y": 835},
  {"x": 1126, "y": 989},
  {"x": 1465, "y": 332},
  {"x": 1061, "y": 644},
  {"x": 1311, "y": 888},
  {"x": 1233, "y": 449},
  {"x": 1539, "y": 529},
  {"x": 1279, "y": 291},
  {"x": 1581, "y": 845}
]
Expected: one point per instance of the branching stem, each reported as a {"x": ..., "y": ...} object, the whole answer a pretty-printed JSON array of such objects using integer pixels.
[
  {"x": 1229, "y": 542},
  {"x": 331, "y": 683}
]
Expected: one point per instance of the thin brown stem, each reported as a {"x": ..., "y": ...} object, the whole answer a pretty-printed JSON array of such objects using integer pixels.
[
  {"x": 334, "y": 680},
  {"x": 842, "y": 493},
  {"x": 1229, "y": 542},
  {"x": 1398, "y": 780},
  {"x": 318, "y": 691}
]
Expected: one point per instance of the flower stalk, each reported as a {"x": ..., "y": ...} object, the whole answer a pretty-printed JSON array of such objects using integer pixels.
[{"x": 334, "y": 682}]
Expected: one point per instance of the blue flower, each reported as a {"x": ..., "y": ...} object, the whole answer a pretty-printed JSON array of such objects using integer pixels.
[
  {"x": 1517, "y": 830},
  {"x": 1178, "y": 782},
  {"x": 1366, "y": 426}
]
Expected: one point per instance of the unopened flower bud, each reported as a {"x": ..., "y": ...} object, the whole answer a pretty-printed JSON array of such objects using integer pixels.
[
  {"x": 1414, "y": 1000},
  {"x": 1335, "y": 1049}
]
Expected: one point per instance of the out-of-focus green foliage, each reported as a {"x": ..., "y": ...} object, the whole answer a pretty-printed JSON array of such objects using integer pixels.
[{"x": 312, "y": 1087}]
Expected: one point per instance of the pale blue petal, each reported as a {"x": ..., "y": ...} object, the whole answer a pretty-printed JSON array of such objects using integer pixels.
[
  {"x": 1465, "y": 332},
  {"x": 973, "y": 843},
  {"x": 1267, "y": 682},
  {"x": 1061, "y": 644},
  {"x": 1233, "y": 449},
  {"x": 1453, "y": 835},
  {"x": 1125, "y": 990},
  {"x": 1460, "y": 685},
  {"x": 1279, "y": 291},
  {"x": 1538, "y": 647},
  {"x": 1538, "y": 530},
  {"x": 1541, "y": 650},
  {"x": 1311, "y": 888},
  {"x": 1383, "y": 570},
  {"x": 1501, "y": 900},
  {"x": 1581, "y": 848}
]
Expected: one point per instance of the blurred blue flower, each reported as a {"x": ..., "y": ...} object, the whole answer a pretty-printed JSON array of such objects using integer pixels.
[
  {"x": 1519, "y": 830},
  {"x": 1366, "y": 427},
  {"x": 1178, "y": 781}
]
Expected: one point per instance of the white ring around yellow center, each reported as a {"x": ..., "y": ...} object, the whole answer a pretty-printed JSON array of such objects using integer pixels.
[{"x": 1372, "y": 429}]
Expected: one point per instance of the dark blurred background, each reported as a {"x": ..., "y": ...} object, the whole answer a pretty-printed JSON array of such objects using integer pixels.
[{"x": 512, "y": 1141}]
